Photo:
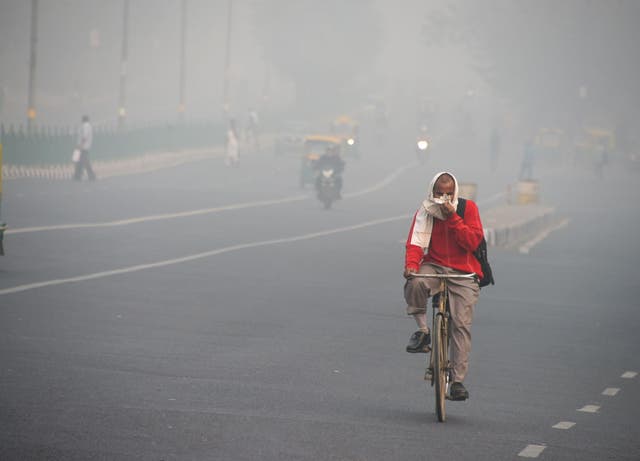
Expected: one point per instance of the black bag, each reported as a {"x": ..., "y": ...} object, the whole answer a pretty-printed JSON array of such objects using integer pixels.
[{"x": 481, "y": 251}]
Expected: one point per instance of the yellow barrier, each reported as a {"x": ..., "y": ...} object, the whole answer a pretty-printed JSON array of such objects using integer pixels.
[
  {"x": 468, "y": 190},
  {"x": 528, "y": 192}
]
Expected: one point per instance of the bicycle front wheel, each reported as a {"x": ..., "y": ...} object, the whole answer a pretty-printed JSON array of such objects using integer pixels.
[{"x": 440, "y": 365}]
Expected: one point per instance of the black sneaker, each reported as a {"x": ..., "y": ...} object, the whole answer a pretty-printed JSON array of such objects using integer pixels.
[
  {"x": 458, "y": 392},
  {"x": 419, "y": 342}
]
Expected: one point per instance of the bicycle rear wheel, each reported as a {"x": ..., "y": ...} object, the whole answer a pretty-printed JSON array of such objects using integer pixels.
[{"x": 440, "y": 365}]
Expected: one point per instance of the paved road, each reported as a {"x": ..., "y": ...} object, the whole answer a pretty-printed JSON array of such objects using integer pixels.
[{"x": 247, "y": 323}]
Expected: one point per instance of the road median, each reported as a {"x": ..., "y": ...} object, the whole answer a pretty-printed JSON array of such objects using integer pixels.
[{"x": 509, "y": 225}]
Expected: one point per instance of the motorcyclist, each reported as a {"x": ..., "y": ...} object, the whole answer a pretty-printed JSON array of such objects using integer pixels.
[{"x": 330, "y": 160}]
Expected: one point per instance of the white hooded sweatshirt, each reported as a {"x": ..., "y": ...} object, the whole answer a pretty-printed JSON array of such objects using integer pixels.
[{"x": 429, "y": 210}]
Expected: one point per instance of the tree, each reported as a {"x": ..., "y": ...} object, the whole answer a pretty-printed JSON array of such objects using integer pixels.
[{"x": 540, "y": 53}]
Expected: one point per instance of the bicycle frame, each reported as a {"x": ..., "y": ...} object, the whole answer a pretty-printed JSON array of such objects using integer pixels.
[{"x": 438, "y": 370}]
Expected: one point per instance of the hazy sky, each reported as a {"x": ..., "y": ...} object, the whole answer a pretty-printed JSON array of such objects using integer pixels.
[{"x": 79, "y": 46}]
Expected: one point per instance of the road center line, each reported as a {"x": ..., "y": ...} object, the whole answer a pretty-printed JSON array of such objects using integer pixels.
[
  {"x": 611, "y": 391},
  {"x": 206, "y": 254},
  {"x": 125, "y": 222},
  {"x": 238, "y": 206},
  {"x": 629, "y": 374},
  {"x": 525, "y": 248}
]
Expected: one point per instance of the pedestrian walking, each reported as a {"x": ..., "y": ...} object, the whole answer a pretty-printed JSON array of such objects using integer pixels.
[
  {"x": 526, "y": 167},
  {"x": 233, "y": 148},
  {"x": 83, "y": 144}
]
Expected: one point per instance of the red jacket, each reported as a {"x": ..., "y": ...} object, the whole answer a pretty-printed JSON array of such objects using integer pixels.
[{"x": 453, "y": 242}]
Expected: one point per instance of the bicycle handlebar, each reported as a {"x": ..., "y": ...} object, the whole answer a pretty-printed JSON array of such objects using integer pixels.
[{"x": 445, "y": 276}]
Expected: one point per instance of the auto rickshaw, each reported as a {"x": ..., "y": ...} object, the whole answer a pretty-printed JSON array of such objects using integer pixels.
[
  {"x": 550, "y": 145},
  {"x": 347, "y": 129},
  {"x": 314, "y": 147},
  {"x": 593, "y": 144}
]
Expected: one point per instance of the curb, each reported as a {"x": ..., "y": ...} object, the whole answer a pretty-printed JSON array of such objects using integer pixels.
[{"x": 105, "y": 169}]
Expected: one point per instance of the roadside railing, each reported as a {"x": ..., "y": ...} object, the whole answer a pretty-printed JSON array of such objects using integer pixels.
[{"x": 54, "y": 145}]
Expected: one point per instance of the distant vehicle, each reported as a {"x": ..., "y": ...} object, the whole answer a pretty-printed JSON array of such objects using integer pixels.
[
  {"x": 550, "y": 146},
  {"x": 423, "y": 142},
  {"x": 290, "y": 138},
  {"x": 348, "y": 130},
  {"x": 327, "y": 188},
  {"x": 592, "y": 143},
  {"x": 314, "y": 146}
]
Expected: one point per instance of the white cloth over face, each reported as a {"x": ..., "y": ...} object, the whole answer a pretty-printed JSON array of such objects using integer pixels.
[{"x": 430, "y": 209}]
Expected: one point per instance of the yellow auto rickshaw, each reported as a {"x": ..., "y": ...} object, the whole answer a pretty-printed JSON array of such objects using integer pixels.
[
  {"x": 549, "y": 145},
  {"x": 593, "y": 144},
  {"x": 347, "y": 129},
  {"x": 315, "y": 146}
]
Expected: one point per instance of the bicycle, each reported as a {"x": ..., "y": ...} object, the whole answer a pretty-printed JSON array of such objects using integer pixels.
[{"x": 438, "y": 365}]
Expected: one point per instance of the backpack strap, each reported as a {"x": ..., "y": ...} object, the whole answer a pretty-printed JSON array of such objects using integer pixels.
[{"x": 462, "y": 205}]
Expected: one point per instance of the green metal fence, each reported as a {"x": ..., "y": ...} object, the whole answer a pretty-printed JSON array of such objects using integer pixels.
[{"x": 54, "y": 145}]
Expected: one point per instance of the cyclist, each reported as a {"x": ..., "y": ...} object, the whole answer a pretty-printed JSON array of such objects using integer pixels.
[{"x": 440, "y": 241}]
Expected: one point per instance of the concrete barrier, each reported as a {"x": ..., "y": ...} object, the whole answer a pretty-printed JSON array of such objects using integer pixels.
[{"x": 509, "y": 225}]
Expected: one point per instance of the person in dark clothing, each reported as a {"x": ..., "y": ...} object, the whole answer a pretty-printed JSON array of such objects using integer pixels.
[
  {"x": 330, "y": 159},
  {"x": 526, "y": 167}
]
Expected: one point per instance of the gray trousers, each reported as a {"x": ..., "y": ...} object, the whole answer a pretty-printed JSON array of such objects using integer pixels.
[
  {"x": 84, "y": 164},
  {"x": 463, "y": 295}
]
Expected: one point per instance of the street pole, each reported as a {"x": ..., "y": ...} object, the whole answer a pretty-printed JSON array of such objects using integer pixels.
[
  {"x": 3, "y": 226},
  {"x": 183, "y": 45},
  {"x": 227, "y": 60},
  {"x": 122, "y": 111},
  {"x": 31, "y": 109}
]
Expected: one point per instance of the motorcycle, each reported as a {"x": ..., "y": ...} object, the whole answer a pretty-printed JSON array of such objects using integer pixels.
[{"x": 327, "y": 187}]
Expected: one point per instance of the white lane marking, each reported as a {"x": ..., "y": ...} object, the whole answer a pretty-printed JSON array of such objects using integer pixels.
[
  {"x": 526, "y": 247},
  {"x": 611, "y": 391},
  {"x": 589, "y": 409},
  {"x": 384, "y": 182},
  {"x": 564, "y": 425},
  {"x": 237, "y": 206},
  {"x": 125, "y": 222},
  {"x": 196, "y": 256},
  {"x": 629, "y": 374},
  {"x": 532, "y": 451}
]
